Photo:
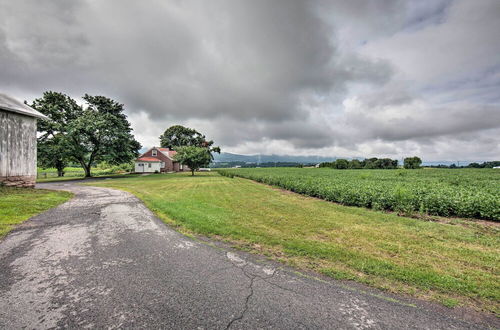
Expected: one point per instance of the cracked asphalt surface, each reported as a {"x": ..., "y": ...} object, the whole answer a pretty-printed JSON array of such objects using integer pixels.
[{"x": 103, "y": 260}]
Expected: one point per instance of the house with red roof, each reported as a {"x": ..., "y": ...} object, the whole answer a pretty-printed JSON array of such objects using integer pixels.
[{"x": 158, "y": 160}]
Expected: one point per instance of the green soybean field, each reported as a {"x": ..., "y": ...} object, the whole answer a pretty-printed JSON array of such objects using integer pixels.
[{"x": 466, "y": 193}]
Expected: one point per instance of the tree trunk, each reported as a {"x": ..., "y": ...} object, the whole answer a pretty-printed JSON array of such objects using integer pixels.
[
  {"x": 192, "y": 172},
  {"x": 87, "y": 170},
  {"x": 60, "y": 168}
]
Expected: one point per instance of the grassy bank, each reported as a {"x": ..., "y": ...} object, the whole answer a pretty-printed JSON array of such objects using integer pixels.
[
  {"x": 456, "y": 264},
  {"x": 20, "y": 204}
]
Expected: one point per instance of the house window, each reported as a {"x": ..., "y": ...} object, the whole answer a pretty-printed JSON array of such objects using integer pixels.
[
  {"x": 154, "y": 152},
  {"x": 149, "y": 165},
  {"x": 140, "y": 164},
  {"x": 162, "y": 164}
]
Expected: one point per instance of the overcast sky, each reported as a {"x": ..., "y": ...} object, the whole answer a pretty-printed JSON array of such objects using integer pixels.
[{"x": 333, "y": 78}]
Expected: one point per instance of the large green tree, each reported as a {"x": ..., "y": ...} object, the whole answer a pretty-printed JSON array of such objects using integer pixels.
[
  {"x": 192, "y": 156},
  {"x": 412, "y": 162},
  {"x": 62, "y": 110},
  {"x": 341, "y": 164},
  {"x": 179, "y": 136},
  {"x": 99, "y": 131}
]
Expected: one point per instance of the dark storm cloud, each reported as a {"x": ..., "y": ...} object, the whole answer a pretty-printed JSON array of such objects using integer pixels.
[
  {"x": 300, "y": 134},
  {"x": 238, "y": 59},
  {"x": 419, "y": 121},
  {"x": 297, "y": 75}
]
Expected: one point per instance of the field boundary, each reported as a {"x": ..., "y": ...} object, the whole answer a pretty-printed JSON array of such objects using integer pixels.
[
  {"x": 466, "y": 222},
  {"x": 406, "y": 192}
]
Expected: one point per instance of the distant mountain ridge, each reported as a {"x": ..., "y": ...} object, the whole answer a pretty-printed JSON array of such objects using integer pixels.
[{"x": 226, "y": 157}]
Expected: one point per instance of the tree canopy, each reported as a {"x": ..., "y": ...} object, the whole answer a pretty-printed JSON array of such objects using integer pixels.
[
  {"x": 179, "y": 136},
  {"x": 96, "y": 132},
  {"x": 368, "y": 163},
  {"x": 412, "y": 162},
  {"x": 192, "y": 156},
  {"x": 341, "y": 164}
]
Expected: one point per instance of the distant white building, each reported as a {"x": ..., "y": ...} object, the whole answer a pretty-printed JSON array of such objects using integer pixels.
[
  {"x": 159, "y": 160},
  {"x": 496, "y": 167}
]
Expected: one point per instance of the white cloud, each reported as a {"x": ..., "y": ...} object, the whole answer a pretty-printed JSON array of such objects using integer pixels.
[{"x": 461, "y": 45}]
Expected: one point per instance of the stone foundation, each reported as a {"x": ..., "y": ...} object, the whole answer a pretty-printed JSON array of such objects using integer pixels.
[{"x": 27, "y": 181}]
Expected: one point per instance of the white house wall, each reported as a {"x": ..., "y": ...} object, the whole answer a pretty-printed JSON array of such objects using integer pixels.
[
  {"x": 146, "y": 169},
  {"x": 17, "y": 149}
]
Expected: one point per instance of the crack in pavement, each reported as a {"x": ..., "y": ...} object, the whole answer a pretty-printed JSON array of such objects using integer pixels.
[
  {"x": 266, "y": 279},
  {"x": 247, "y": 299},
  {"x": 241, "y": 264}
]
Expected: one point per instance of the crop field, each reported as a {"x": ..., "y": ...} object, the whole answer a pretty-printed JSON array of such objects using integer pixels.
[{"x": 466, "y": 193}]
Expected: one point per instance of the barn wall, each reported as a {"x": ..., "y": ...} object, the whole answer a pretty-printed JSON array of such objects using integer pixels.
[{"x": 17, "y": 149}]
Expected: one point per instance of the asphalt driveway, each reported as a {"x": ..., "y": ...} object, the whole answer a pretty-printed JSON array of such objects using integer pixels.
[{"x": 103, "y": 260}]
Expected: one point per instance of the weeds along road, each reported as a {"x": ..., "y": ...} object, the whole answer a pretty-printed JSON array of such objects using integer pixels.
[{"x": 103, "y": 260}]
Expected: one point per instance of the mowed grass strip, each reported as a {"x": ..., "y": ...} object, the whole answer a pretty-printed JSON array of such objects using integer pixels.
[
  {"x": 457, "y": 264},
  {"x": 20, "y": 204}
]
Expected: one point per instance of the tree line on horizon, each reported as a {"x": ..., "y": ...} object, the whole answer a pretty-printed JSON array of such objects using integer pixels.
[
  {"x": 489, "y": 164},
  {"x": 373, "y": 163}
]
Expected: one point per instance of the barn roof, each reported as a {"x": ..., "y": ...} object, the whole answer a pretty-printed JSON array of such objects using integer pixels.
[{"x": 8, "y": 103}]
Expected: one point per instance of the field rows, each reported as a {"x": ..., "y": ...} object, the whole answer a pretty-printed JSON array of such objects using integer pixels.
[{"x": 467, "y": 193}]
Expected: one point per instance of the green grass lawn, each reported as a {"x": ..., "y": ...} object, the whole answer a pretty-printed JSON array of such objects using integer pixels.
[
  {"x": 69, "y": 172},
  {"x": 456, "y": 263},
  {"x": 20, "y": 204},
  {"x": 74, "y": 173},
  {"x": 67, "y": 178}
]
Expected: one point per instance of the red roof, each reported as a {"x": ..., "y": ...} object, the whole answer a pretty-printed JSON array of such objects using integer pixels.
[
  {"x": 148, "y": 159},
  {"x": 168, "y": 152}
]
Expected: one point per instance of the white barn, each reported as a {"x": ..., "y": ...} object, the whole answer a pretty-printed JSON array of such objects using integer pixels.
[{"x": 17, "y": 142}]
